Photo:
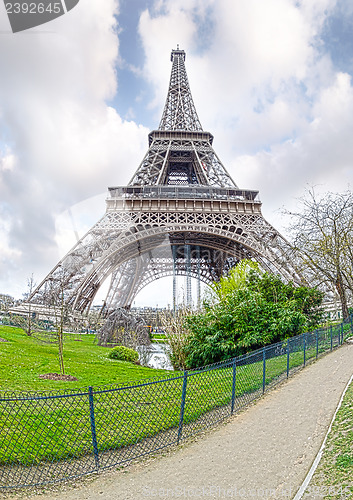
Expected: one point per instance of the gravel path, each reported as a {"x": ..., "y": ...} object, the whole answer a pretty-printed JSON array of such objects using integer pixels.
[{"x": 263, "y": 452}]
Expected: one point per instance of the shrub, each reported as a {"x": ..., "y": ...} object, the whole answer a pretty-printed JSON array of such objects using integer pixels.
[
  {"x": 123, "y": 353},
  {"x": 176, "y": 335},
  {"x": 250, "y": 313}
]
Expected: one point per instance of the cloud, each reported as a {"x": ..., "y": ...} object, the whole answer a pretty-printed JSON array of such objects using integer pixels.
[
  {"x": 263, "y": 81},
  {"x": 59, "y": 141},
  {"x": 265, "y": 85},
  {"x": 322, "y": 155},
  {"x": 172, "y": 25}
]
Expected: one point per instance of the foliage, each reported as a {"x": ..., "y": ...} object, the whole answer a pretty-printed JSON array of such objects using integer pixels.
[
  {"x": 304, "y": 299},
  {"x": 260, "y": 311},
  {"x": 123, "y": 353},
  {"x": 235, "y": 280},
  {"x": 22, "y": 322},
  {"x": 323, "y": 233}
]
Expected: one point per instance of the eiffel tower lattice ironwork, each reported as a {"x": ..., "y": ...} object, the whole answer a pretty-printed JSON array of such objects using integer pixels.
[{"x": 181, "y": 214}]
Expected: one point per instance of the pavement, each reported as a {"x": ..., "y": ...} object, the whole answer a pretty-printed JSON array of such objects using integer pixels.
[{"x": 263, "y": 452}]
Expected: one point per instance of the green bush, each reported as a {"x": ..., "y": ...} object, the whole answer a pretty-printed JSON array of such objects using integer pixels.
[
  {"x": 123, "y": 353},
  {"x": 256, "y": 310}
]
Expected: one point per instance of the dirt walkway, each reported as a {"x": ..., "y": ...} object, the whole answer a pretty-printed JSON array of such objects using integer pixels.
[{"x": 264, "y": 452}]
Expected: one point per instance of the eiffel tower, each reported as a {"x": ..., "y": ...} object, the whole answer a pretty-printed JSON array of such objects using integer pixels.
[{"x": 181, "y": 214}]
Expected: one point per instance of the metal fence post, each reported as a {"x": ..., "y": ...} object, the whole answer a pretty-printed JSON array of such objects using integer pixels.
[
  {"x": 342, "y": 333},
  {"x": 331, "y": 336},
  {"x": 264, "y": 372},
  {"x": 304, "y": 340},
  {"x": 288, "y": 359},
  {"x": 93, "y": 427},
  {"x": 317, "y": 343},
  {"x": 351, "y": 318},
  {"x": 233, "y": 385},
  {"x": 182, "y": 406},
  {"x": 338, "y": 336}
]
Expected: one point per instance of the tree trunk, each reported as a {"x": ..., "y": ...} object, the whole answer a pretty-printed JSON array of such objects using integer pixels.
[
  {"x": 342, "y": 295},
  {"x": 61, "y": 350}
]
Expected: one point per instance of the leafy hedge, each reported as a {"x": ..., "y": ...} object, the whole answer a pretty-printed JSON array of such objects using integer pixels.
[
  {"x": 249, "y": 313},
  {"x": 123, "y": 353}
]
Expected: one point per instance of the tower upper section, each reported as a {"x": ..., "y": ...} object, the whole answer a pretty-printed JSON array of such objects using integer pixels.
[
  {"x": 179, "y": 111},
  {"x": 180, "y": 153}
]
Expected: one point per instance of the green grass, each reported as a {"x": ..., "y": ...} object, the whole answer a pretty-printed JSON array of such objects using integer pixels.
[
  {"x": 334, "y": 476},
  {"x": 23, "y": 359},
  {"x": 52, "y": 429},
  {"x": 159, "y": 338}
]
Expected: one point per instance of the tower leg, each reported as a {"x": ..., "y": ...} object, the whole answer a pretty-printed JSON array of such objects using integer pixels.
[
  {"x": 174, "y": 279},
  {"x": 198, "y": 291},
  {"x": 188, "y": 277}
]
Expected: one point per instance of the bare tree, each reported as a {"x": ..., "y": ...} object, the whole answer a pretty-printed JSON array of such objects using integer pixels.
[
  {"x": 6, "y": 302},
  {"x": 28, "y": 324},
  {"x": 323, "y": 235},
  {"x": 122, "y": 327},
  {"x": 26, "y": 318},
  {"x": 60, "y": 318}
]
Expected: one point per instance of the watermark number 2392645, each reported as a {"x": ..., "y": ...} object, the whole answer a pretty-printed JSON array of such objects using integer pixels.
[{"x": 25, "y": 14}]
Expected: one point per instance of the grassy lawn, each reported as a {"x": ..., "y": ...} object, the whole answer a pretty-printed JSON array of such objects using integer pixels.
[
  {"x": 334, "y": 476},
  {"x": 23, "y": 359},
  {"x": 159, "y": 337},
  {"x": 51, "y": 429}
]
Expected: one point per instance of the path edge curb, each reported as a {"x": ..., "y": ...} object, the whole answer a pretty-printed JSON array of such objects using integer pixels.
[{"x": 317, "y": 459}]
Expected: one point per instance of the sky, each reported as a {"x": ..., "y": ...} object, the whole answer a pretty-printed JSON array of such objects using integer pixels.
[{"x": 271, "y": 80}]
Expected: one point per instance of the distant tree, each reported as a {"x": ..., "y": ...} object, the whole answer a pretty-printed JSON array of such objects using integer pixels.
[
  {"x": 29, "y": 324},
  {"x": 95, "y": 319},
  {"x": 6, "y": 302},
  {"x": 26, "y": 319},
  {"x": 323, "y": 234}
]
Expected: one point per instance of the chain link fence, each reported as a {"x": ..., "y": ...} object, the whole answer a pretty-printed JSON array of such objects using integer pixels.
[{"x": 46, "y": 437}]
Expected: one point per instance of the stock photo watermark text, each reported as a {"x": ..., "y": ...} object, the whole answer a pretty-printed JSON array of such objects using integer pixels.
[
  {"x": 25, "y": 14},
  {"x": 215, "y": 491}
]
